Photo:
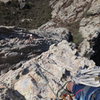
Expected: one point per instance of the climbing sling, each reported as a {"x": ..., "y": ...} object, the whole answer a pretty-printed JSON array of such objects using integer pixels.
[{"x": 89, "y": 77}]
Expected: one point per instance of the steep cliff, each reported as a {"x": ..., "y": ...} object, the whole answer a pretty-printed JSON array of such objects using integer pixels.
[{"x": 36, "y": 63}]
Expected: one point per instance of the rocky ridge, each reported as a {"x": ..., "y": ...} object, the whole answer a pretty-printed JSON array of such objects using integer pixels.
[
  {"x": 59, "y": 58},
  {"x": 19, "y": 45},
  {"x": 82, "y": 18},
  {"x": 35, "y": 64}
]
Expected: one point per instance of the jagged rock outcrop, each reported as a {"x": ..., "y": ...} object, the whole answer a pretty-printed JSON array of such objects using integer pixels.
[
  {"x": 18, "y": 45},
  {"x": 5, "y": 1},
  {"x": 53, "y": 67},
  {"x": 10, "y": 94},
  {"x": 80, "y": 17},
  {"x": 90, "y": 30},
  {"x": 57, "y": 34},
  {"x": 35, "y": 64}
]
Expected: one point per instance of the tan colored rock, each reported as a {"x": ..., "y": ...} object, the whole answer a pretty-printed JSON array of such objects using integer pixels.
[
  {"x": 69, "y": 11},
  {"x": 52, "y": 33},
  {"x": 84, "y": 47},
  {"x": 54, "y": 62},
  {"x": 26, "y": 87},
  {"x": 95, "y": 8},
  {"x": 31, "y": 86},
  {"x": 89, "y": 27},
  {"x": 40, "y": 78},
  {"x": 30, "y": 79}
]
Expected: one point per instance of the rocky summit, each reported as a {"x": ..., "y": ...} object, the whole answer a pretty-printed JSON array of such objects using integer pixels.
[{"x": 44, "y": 44}]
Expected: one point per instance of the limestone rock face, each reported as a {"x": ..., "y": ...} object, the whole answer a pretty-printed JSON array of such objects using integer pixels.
[
  {"x": 86, "y": 11},
  {"x": 9, "y": 94},
  {"x": 90, "y": 30},
  {"x": 80, "y": 17},
  {"x": 42, "y": 77},
  {"x": 95, "y": 8},
  {"x": 68, "y": 10},
  {"x": 35, "y": 64},
  {"x": 90, "y": 27},
  {"x": 17, "y": 45},
  {"x": 56, "y": 33}
]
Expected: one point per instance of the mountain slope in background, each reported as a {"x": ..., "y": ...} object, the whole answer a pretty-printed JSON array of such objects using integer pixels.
[{"x": 33, "y": 14}]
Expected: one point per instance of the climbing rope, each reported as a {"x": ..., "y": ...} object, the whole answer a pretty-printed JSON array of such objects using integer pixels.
[
  {"x": 61, "y": 93},
  {"x": 46, "y": 80}
]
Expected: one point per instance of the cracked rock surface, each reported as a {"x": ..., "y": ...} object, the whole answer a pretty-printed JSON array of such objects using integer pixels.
[
  {"x": 52, "y": 68},
  {"x": 36, "y": 63}
]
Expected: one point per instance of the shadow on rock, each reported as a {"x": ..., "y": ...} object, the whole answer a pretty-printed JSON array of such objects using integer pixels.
[
  {"x": 10, "y": 94},
  {"x": 96, "y": 56}
]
